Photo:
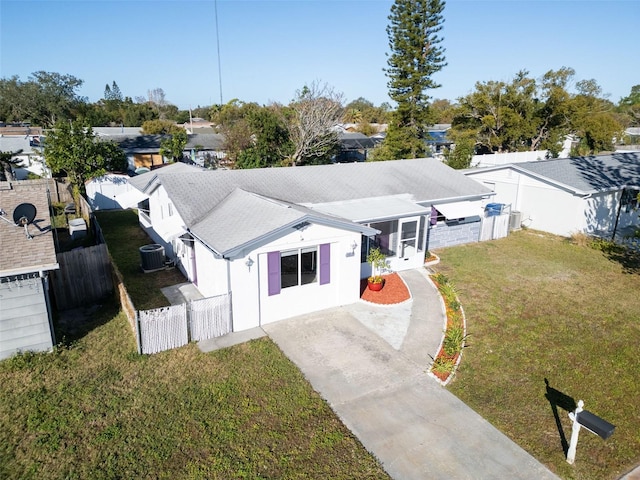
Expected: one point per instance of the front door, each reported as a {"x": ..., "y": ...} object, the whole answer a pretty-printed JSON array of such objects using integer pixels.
[{"x": 408, "y": 237}]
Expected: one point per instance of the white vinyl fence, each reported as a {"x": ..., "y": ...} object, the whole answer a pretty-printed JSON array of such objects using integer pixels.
[
  {"x": 172, "y": 327},
  {"x": 494, "y": 227}
]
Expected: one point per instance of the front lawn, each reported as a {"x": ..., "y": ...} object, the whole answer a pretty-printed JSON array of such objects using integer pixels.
[
  {"x": 96, "y": 409},
  {"x": 542, "y": 309}
]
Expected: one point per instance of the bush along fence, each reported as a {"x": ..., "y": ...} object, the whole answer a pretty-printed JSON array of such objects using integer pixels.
[{"x": 449, "y": 355}]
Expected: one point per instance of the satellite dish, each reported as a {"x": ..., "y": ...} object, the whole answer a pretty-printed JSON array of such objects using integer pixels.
[{"x": 24, "y": 214}]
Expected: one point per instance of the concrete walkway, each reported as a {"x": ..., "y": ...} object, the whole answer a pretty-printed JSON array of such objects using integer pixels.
[{"x": 370, "y": 363}]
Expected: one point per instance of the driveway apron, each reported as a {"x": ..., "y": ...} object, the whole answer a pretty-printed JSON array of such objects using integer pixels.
[{"x": 370, "y": 364}]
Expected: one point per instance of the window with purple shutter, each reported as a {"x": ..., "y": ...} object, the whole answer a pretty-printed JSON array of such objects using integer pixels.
[
  {"x": 325, "y": 263},
  {"x": 273, "y": 269}
]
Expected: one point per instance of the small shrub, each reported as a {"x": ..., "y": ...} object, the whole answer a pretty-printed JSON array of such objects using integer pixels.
[
  {"x": 442, "y": 365},
  {"x": 581, "y": 239},
  {"x": 453, "y": 340},
  {"x": 441, "y": 279}
]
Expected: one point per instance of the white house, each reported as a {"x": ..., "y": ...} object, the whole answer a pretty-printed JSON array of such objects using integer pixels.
[
  {"x": 594, "y": 195},
  {"x": 287, "y": 241}
]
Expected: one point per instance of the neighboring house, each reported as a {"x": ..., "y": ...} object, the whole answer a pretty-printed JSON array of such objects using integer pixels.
[
  {"x": 143, "y": 151},
  {"x": 288, "y": 241},
  {"x": 25, "y": 310},
  {"x": 594, "y": 195},
  {"x": 354, "y": 147},
  {"x": 437, "y": 138},
  {"x": 30, "y": 154}
]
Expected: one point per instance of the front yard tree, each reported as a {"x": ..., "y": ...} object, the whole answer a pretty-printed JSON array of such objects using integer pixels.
[
  {"x": 74, "y": 150},
  {"x": 416, "y": 55},
  {"x": 311, "y": 118}
]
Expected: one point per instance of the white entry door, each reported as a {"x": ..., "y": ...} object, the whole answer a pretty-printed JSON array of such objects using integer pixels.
[{"x": 408, "y": 232}]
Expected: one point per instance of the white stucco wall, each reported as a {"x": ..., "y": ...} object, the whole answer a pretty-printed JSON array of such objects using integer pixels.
[
  {"x": 252, "y": 305},
  {"x": 167, "y": 223},
  {"x": 343, "y": 289},
  {"x": 211, "y": 272}
]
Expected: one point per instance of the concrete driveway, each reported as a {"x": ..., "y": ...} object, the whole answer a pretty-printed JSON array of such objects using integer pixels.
[{"x": 369, "y": 363}]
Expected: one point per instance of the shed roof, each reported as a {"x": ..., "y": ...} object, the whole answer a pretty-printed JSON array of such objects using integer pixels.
[{"x": 18, "y": 254}]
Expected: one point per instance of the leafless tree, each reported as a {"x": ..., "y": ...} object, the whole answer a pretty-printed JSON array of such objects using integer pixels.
[{"x": 312, "y": 117}]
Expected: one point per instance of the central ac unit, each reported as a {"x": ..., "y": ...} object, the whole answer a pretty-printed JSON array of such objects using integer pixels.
[{"x": 515, "y": 220}]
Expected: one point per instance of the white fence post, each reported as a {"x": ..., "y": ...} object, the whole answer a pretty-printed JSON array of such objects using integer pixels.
[{"x": 575, "y": 431}]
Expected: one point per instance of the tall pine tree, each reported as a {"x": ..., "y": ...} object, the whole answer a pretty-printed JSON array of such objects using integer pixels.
[{"x": 416, "y": 55}]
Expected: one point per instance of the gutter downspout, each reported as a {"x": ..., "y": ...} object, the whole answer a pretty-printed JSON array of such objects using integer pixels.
[
  {"x": 47, "y": 300},
  {"x": 615, "y": 227}
]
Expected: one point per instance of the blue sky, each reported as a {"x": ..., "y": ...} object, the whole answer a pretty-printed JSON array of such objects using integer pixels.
[{"x": 269, "y": 49}]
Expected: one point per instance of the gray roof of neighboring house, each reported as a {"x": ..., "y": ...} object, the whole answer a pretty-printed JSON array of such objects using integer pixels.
[
  {"x": 356, "y": 141},
  {"x": 18, "y": 253},
  {"x": 424, "y": 180},
  {"x": 112, "y": 131},
  {"x": 13, "y": 144},
  {"x": 151, "y": 143},
  {"x": 584, "y": 175}
]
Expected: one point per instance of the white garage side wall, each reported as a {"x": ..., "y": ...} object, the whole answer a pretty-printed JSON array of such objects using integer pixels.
[
  {"x": 211, "y": 272},
  {"x": 252, "y": 305},
  {"x": 551, "y": 210}
]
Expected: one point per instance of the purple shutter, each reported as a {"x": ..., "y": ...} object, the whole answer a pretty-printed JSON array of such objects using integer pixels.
[
  {"x": 434, "y": 216},
  {"x": 325, "y": 263},
  {"x": 273, "y": 269}
]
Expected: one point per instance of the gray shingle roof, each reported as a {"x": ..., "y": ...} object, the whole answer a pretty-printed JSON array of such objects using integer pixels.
[
  {"x": 18, "y": 252},
  {"x": 229, "y": 208},
  {"x": 584, "y": 175},
  {"x": 248, "y": 218},
  {"x": 425, "y": 180}
]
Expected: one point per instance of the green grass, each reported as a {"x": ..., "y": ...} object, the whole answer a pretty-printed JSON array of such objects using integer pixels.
[
  {"x": 124, "y": 237},
  {"x": 95, "y": 409},
  {"x": 539, "y": 307}
]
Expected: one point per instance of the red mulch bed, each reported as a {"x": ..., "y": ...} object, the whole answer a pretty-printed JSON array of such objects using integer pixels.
[{"x": 393, "y": 291}]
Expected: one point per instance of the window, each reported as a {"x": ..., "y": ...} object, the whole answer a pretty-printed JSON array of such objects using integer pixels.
[
  {"x": 421, "y": 234},
  {"x": 387, "y": 239},
  {"x": 300, "y": 266}
]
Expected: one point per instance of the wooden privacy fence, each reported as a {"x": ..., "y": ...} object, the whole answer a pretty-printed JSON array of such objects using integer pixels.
[
  {"x": 84, "y": 277},
  {"x": 172, "y": 327}
]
